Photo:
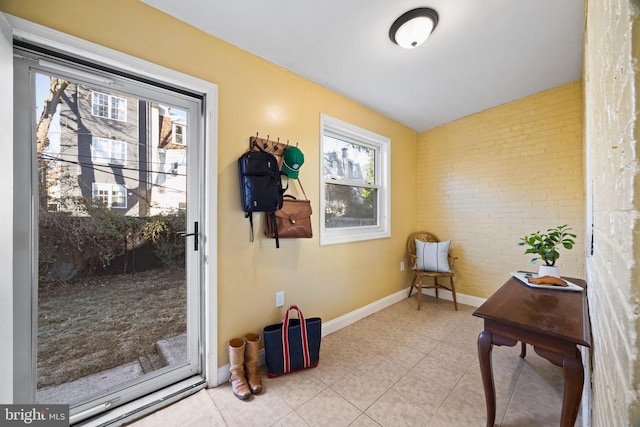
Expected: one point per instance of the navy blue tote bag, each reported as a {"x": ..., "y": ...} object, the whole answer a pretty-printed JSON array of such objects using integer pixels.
[{"x": 293, "y": 344}]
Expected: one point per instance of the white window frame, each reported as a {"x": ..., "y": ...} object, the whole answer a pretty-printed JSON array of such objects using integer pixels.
[
  {"x": 110, "y": 189},
  {"x": 335, "y": 128},
  {"x": 120, "y": 113},
  {"x": 112, "y": 149}
]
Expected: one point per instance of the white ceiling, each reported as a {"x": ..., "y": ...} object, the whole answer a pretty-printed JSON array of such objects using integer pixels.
[{"x": 483, "y": 53}]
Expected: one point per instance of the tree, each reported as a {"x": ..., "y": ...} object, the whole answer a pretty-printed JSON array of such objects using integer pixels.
[{"x": 56, "y": 89}]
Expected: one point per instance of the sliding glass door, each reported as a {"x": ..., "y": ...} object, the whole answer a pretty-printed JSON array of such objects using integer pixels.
[{"x": 116, "y": 211}]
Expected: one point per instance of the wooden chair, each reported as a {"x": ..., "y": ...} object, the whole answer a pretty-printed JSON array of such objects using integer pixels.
[{"x": 418, "y": 275}]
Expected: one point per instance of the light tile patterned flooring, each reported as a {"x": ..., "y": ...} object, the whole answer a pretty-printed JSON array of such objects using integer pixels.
[{"x": 397, "y": 367}]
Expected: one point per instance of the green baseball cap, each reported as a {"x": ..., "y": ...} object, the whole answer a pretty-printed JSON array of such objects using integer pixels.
[{"x": 292, "y": 159}]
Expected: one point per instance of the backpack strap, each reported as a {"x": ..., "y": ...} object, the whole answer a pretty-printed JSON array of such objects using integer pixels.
[
  {"x": 275, "y": 228},
  {"x": 284, "y": 189},
  {"x": 250, "y": 216}
]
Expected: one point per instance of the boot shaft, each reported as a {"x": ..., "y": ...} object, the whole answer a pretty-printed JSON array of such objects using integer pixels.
[
  {"x": 252, "y": 349},
  {"x": 251, "y": 356},
  {"x": 237, "y": 378}
]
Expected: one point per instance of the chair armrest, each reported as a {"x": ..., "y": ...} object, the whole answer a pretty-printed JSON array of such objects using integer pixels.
[
  {"x": 453, "y": 260},
  {"x": 414, "y": 261}
]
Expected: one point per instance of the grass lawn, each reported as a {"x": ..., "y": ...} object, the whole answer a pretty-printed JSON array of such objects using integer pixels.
[{"x": 102, "y": 322}]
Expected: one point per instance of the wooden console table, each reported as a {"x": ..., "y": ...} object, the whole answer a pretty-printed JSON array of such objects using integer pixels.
[{"x": 553, "y": 321}]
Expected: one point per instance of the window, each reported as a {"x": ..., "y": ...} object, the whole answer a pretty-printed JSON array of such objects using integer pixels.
[
  {"x": 112, "y": 195},
  {"x": 355, "y": 190},
  {"x": 108, "y": 106},
  {"x": 108, "y": 151},
  {"x": 179, "y": 136}
]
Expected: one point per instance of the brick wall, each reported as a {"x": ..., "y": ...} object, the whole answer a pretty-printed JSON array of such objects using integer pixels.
[
  {"x": 611, "y": 106},
  {"x": 488, "y": 179}
]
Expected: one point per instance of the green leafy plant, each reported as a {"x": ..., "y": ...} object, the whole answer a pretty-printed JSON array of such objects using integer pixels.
[
  {"x": 86, "y": 239},
  {"x": 545, "y": 244}
]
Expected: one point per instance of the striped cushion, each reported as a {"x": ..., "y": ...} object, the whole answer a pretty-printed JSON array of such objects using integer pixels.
[{"x": 433, "y": 256}]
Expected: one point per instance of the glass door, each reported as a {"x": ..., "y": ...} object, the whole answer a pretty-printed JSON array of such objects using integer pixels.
[{"x": 116, "y": 216}]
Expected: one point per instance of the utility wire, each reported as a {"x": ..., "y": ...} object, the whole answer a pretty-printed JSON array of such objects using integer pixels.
[{"x": 108, "y": 170}]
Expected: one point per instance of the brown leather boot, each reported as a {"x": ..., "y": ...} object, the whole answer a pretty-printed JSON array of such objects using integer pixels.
[
  {"x": 251, "y": 362},
  {"x": 236, "y": 369}
]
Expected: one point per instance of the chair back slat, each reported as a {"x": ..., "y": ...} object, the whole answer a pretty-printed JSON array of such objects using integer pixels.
[{"x": 423, "y": 236}]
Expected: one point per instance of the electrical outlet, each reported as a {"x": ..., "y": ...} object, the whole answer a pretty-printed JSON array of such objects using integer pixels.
[
  {"x": 401, "y": 265},
  {"x": 279, "y": 299}
]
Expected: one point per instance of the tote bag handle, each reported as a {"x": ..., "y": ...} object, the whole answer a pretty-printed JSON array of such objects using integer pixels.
[{"x": 303, "y": 337}]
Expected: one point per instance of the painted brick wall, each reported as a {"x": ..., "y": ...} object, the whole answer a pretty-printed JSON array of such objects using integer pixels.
[
  {"x": 488, "y": 179},
  {"x": 612, "y": 80}
]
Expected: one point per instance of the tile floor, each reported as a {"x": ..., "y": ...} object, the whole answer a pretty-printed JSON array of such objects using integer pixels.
[{"x": 397, "y": 367}]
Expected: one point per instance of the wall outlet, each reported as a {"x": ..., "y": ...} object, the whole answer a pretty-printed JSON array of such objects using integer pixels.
[
  {"x": 279, "y": 299},
  {"x": 401, "y": 265}
]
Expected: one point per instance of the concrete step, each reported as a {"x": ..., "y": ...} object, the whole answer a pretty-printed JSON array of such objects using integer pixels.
[
  {"x": 169, "y": 352},
  {"x": 151, "y": 361},
  {"x": 86, "y": 386},
  {"x": 173, "y": 350}
]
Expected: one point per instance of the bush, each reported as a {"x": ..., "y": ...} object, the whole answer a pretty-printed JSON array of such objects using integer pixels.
[
  {"x": 164, "y": 231},
  {"x": 87, "y": 241}
]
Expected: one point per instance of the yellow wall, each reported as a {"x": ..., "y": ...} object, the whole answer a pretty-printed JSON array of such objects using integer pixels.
[
  {"x": 488, "y": 179},
  {"x": 256, "y": 96}
]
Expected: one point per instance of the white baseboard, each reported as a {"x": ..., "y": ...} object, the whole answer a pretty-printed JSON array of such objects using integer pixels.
[
  {"x": 461, "y": 298},
  {"x": 362, "y": 312}
]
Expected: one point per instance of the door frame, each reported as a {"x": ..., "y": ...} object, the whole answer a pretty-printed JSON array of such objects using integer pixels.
[
  {"x": 7, "y": 217},
  {"x": 37, "y": 34}
]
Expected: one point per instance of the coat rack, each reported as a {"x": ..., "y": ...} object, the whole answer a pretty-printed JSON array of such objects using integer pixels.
[{"x": 274, "y": 147}]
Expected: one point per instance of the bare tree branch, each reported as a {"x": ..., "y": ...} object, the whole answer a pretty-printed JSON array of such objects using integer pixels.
[{"x": 56, "y": 88}]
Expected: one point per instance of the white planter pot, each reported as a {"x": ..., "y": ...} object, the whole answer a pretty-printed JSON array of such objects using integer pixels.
[{"x": 546, "y": 270}]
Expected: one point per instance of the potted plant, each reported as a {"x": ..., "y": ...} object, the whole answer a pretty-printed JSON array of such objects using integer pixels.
[{"x": 545, "y": 246}]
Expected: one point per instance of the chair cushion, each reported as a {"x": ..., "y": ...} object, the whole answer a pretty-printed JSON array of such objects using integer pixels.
[{"x": 433, "y": 256}]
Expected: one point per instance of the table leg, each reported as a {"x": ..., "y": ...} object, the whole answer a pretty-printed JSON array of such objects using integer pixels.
[
  {"x": 573, "y": 373},
  {"x": 484, "y": 355}
]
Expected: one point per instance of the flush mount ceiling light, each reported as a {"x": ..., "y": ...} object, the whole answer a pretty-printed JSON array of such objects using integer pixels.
[{"x": 412, "y": 28}]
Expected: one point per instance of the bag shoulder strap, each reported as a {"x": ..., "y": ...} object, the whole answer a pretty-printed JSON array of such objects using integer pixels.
[{"x": 302, "y": 188}]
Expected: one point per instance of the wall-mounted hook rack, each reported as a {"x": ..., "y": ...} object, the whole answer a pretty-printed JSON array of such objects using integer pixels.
[{"x": 274, "y": 147}]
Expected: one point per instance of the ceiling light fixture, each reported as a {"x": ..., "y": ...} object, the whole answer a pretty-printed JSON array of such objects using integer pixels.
[{"x": 412, "y": 28}]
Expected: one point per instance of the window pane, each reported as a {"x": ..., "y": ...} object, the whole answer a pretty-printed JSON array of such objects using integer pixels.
[
  {"x": 118, "y": 196},
  {"x": 100, "y": 149},
  {"x": 118, "y": 108},
  {"x": 179, "y": 135},
  {"x": 118, "y": 152},
  {"x": 347, "y": 206},
  {"x": 100, "y": 194},
  {"x": 346, "y": 160},
  {"x": 100, "y": 104}
]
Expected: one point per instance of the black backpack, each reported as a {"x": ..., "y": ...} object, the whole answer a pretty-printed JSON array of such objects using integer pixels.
[{"x": 260, "y": 186}]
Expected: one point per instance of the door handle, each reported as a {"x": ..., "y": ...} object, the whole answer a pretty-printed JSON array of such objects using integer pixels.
[{"x": 195, "y": 234}]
